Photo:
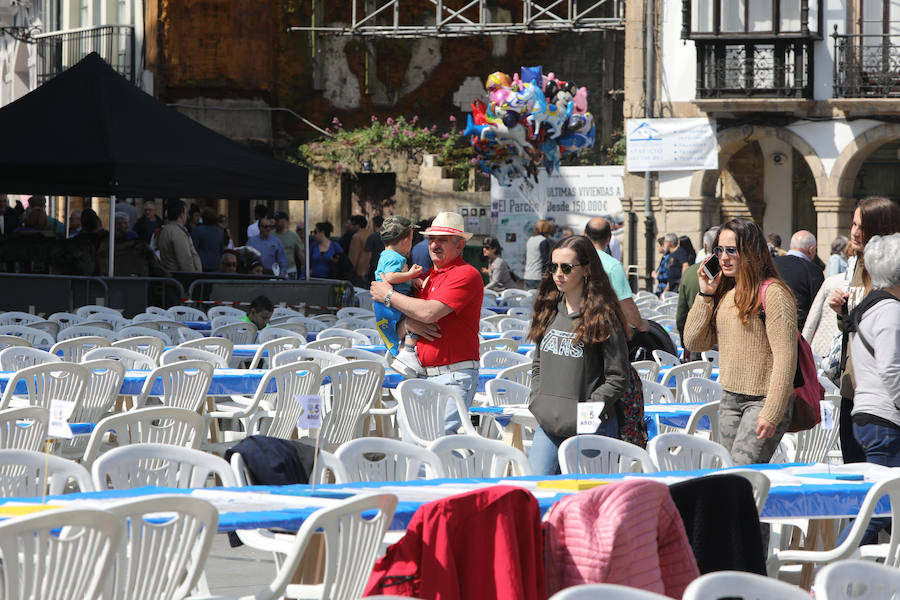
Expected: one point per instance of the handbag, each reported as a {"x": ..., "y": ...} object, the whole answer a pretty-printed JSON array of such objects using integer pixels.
[{"x": 808, "y": 392}]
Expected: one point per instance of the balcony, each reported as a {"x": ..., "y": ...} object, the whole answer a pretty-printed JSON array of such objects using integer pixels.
[
  {"x": 57, "y": 51},
  {"x": 866, "y": 65},
  {"x": 770, "y": 68}
]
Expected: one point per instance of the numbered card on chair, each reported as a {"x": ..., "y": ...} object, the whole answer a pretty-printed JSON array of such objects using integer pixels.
[
  {"x": 827, "y": 409},
  {"x": 60, "y": 411},
  {"x": 589, "y": 416},
  {"x": 311, "y": 418}
]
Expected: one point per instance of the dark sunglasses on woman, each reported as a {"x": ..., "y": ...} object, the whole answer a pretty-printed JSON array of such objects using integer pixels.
[
  {"x": 730, "y": 250},
  {"x": 566, "y": 267}
]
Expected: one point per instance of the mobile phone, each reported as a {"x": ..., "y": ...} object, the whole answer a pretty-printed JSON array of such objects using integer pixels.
[{"x": 711, "y": 267}]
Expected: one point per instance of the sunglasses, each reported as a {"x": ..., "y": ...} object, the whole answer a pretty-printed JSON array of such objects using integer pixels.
[
  {"x": 565, "y": 267},
  {"x": 730, "y": 250}
]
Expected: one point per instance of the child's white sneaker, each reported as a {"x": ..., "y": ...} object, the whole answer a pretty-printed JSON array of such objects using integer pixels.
[{"x": 407, "y": 362}]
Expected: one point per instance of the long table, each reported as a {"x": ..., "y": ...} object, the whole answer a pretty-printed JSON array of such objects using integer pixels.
[{"x": 797, "y": 491}]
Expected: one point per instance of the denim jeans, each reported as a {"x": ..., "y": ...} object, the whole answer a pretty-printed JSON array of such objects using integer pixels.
[
  {"x": 466, "y": 381},
  {"x": 544, "y": 454},
  {"x": 882, "y": 447}
]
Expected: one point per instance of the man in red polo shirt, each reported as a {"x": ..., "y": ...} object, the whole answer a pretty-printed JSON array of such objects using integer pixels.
[{"x": 445, "y": 313}]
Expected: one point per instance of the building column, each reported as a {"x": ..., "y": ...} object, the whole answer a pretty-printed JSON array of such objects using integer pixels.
[{"x": 834, "y": 215}]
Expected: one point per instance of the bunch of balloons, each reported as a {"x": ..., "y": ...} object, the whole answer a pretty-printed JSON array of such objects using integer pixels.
[{"x": 532, "y": 121}]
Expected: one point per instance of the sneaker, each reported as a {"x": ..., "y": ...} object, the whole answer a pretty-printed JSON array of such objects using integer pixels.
[{"x": 407, "y": 362}]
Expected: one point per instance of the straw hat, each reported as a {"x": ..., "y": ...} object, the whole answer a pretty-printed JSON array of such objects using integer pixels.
[{"x": 448, "y": 223}]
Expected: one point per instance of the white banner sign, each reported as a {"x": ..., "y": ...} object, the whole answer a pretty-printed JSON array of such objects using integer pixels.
[
  {"x": 60, "y": 411},
  {"x": 311, "y": 417},
  {"x": 589, "y": 414},
  {"x": 671, "y": 144},
  {"x": 568, "y": 198}
]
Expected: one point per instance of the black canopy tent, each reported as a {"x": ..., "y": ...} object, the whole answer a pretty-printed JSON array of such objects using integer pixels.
[{"x": 89, "y": 132}]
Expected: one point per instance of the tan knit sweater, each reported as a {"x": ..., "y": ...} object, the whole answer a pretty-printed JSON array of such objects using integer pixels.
[{"x": 754, "y": 359}]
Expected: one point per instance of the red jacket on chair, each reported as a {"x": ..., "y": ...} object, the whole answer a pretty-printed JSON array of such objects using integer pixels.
[{"x": 484, "y": 544}]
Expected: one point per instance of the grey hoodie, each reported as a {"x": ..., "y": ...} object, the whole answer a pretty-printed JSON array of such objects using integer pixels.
[{"x": 564, "y": 374}]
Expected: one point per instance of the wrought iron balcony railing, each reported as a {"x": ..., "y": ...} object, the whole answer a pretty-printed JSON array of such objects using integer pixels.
[
  {"x": 866, "y": 65},
  {"x": 57, "y": 51},
  {"x": 756, "y": 68}
]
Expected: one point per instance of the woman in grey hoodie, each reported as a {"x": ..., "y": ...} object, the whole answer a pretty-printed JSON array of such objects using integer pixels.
[{"x": 581, "y": 351}]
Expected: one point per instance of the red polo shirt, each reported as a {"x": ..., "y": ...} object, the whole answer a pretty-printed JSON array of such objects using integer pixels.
[{"x": 459, "y": 286}]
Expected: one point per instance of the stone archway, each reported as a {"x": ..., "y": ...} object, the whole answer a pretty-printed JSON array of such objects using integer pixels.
[{"x": 846, "y": 167}]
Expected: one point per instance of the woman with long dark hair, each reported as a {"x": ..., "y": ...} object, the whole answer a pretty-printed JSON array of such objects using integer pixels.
[
  {"x": 499, "y": 275},
  {"x": 581, "y": 350},
  {"x": 757, "y": 356}
]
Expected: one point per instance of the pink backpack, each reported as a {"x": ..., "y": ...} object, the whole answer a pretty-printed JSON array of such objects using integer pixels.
[{"x": 808, "y": 392}]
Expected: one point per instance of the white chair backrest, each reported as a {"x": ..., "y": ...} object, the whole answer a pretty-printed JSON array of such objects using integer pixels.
[
  {"x": 39, "y": 562},
  {"x": 167, "y": 541},
  {"x": 739, "y": 584},
  {"x": 608, "y": 591},
  {"x": 180, "y": 353},
  {"x": 36, "y": 337},
  {"x": 147, "y": 318},
  {"x": 655, "y": 393},
  {"x": 26, "y": 473},
  {"x": 237, "y": 333},
  {"x": 92, "y": 309},
  {"x": 354, "y": 387},
  {"x": 760, "y": 482},
  {"x": 24, "y": 428},
  {"x": 697, "y": 390},
  {"x": 500, "y": 359},
  {"x": 76, "y": 331},
  {"x": 371, "y": 334},
  {"x": 321, "y": 357},
  {"x": 223, "y": 320},
  {"x": 186, "y": 334},
  {"x": 285, "y": 311},
  {"x": 360, "y": 354},
  {"x": 271, "y": 348},
  {"x": 504, "y": 392},
  {"x": 161, "y": 465},
  {"x": 383, "y": 459},
  {"x": 601, "y": 454},
  {"x": 682, "y": 452},
  {"x": 106, "y": 377},
  {"x": 648, "y": 370},
  {"x": 187, "y": 313},
  {"x": 814, "y": 444},
  {"x": 10, "y": 340},
  {"x": 291, "y": 380},
  {"x": 422, "y": 410},
  {"x": 828, "y": 386},
  {"x": 312, "y": 325},
  {"x": 867, "y": 579},
  {"x": 157, "y": 425},
  {"x": 295, "y": 328},
  {"x": 97, "y": 324},
  {"x": 513, "y": 323},
  {"x": 65, "y": 319},
  {"x": 474, "y": 456},
  {"x": 514, "y": 297},
  {"x": 137, "y": 331},
  {"x": 184, "y": 384},
  {"x": 19, "y": 357},
  {"x": 357, "y": 339},
  {"x": 524, "y": 312},
  {"x": 675, "y": 375},
  {"x": 518, "y": 373},
  {"x": 485, "y": 326},
  {"x": 225, "y": 311},
  {"x": 156, "y": 310},
  {"x": 328, "y": 319},
  {"x": 273, "y": 333},
  {"x": 72, "y": 350},
  {"x": 46, "y": 382},
  {"x": 710, "y": 410},
  {"x": 150, "y": 346},
  {"x": 355, "y": 324},
  {"x": 352, "y": 312},
  {"x": 516, "y": 334},
  {"x": 712, "y": 356},
  {"x": 216, "y": 345},
  {"x": 508, "y": 344},
  {"x": 330, "y": 344},
  {"x": 15, "y": 317},
  {"x": 663, "y": 358},
  {"x": 131, "y": 359}
]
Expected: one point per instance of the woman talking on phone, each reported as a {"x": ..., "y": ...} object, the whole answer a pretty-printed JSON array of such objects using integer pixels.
[
  {"x": 757, "y": 357},
  {"x": 581, "y": 352}
]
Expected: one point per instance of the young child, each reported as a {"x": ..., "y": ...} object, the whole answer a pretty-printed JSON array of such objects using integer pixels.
[{"x": 397, "y": 233}]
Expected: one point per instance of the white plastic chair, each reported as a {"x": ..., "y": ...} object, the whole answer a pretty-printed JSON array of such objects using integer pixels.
[
  {"x": 354, "y": 387},
  {"x": 51, "y": 327},
  {"x": 814, "y": 444},
  {"x": 285, "y": 311},
  {"x": 675, "y": 375},
  {"x": 518, "y": 373},
  {"x": 131, "y": 359},
  {"x": 187, "y": 313},
  {"x": 709, "y": 410},
  {"x": 514, "y": 297},
  {"x": 648, "y": 370},
  {"x": 328, "y": 319},
  {"x": 19, "y": 357},
  {"x": 743, "y": 585},
  {"x": 382, "y": 459},
  {"x": 25, "y": 473},
  {"x": 371, "y": 333},
  {"x": 10, "y": 340},
  {"x": 321, "y": 357},
  {"x": 275, "y": 332},
  {"x": 150, "y": 346},
  {"x": 220, "y": 346},
  {"x": 600, "y": 454},
  {"x": 712, "y": 356},
  {"x": 160, "y": 465},
  {"x": 185, "y": 384},
  {"x": 330, "y": 344},
  {"x": 91, "y": 309},
  {"x": 180, "y": 354},
  {"x": 422, "y": 410},
  {"x": 857, "y": 580},
  {"x": 510, "y": 323},
  {"x": 606, "y": 591},
  {"x": 237, "y": 333},
  {"x": 360, "y": 354},
  {"x": 76, "y": 331},
  {"x": 664, "y": 359},
  {"x": 520, "y": 311},
  {"x": 508, "y": 344},
  {"x": 73, "y": 349},
  {"x": 138, "y": 331},
  {"x": 186, "y": 334},
  {"x": 167, "y": 540},
  {"x": 700, "y": 390},
  {"x": 14, "y": 317},
  {"x": 500, "y": 359},
  {"x": 105, "y": 381},
  {"x": 93, "y": 323},
  {"x": 352, "y": 312},
  {"x": 64, "y": 319},
  {"x": 312, "y": 325},
  {"x": 294, "y": 328},
  {"x": 331, "y": 332},
  {"x": 46, "y": 382},
  {"x": 264, "y": 355},
  {"x": 222, "y": 320},
  {"x": 36, "y": 337},
  {"x": 655, "y": 393},
  {"x": 158, "y": 425},
  {"x": 486, "y": 326},
  {"x": 226, "y": 311},
  {"x": 474, "y": 456},
  {"x": 682, "y": 452},
  {"x": 503, "y": 392},
  {"x": 58, "y": 554},
  {"x": 23, "y": 428}
]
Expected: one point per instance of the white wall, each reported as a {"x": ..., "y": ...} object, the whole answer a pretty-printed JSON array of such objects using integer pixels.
[
  {"x": 829, "y": 138},
  {"x": 677, "y": 59},
  {"x": 675, "y": 184}
]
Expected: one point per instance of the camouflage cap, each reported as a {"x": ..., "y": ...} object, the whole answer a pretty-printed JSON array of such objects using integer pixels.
[{"x": 396, "y": 227}]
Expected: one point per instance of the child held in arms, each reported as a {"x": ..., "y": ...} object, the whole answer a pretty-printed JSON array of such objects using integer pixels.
[{"x": 397, "y": 234}]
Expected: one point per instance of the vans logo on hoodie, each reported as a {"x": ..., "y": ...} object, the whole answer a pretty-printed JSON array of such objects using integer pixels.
[{"x": 561, "y": 343}]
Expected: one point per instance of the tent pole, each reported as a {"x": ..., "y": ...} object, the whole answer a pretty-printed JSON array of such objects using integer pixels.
[
  {"x": 306, "y": 235},
  {"x": 68, "y": 204},
  {"x": 112, "y": 235}
]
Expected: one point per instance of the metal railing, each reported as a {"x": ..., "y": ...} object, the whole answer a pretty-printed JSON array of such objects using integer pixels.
[
  {"x": 59, "y": 50},
  {"x": 866, "y": 65},
  {"x": 773, "y": 68}
]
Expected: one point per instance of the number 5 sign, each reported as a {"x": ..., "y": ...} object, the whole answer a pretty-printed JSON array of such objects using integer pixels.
[
  {"x": 311, "y": 417},
  {"x": 589, "y": 416}
]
